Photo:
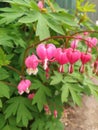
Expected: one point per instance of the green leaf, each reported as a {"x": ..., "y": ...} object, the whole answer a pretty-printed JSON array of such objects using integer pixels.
[
  {"x": 38, "y": 124},
  {"x": 29, "y": 18},
  {"x": 10, "y": 14},
  {"x": 20, "y": 107},
  {"x": 64, "y": 18},
  {"x": 68, "y": 89},
  {"x": 57, "y": 78},
  {"x": 4, "y": 90},
  {"x": 54, "y": 125},
  {"x": 40, "y": 96},
  {"x": 56, "y": 26},
  {"x": 65, "y": 93},
  {"x": 3, "y": 74},
  {"x": 76, "y": 97},
  {"x": 42, "y": 29},
  {"x": 10, "y": 36},
  {"x": 69, "y": 79},
  {"x": 3, "y": 58},
  {"x": 24, "y": 3},
  {"x": 77, "y": 76},
  {"x": 12, "y": 121},
  {"x": 88, "y": 83},
  {"x": 2, "y": 121},
  {"x": 0, "y": 103},
  {"x": 55, "y": 103},
  {"x": 34, "y": 5},
  {"x": 9, "y": 127},
  {"x": 36, "y": 84}
]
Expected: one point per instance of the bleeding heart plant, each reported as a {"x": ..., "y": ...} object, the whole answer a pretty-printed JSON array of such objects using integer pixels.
[{"x": 47, "y": 61}]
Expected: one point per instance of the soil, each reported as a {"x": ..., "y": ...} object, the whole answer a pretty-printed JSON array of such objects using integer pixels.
[{"x": 82, "y": 118}]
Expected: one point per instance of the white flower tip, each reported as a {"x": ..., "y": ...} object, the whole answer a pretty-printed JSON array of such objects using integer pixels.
[
  {"x": 32, "y": 71},
  {"x": 20, "y": 92},
  {"x": 27, "y": 90},
  {"x": 45, "y": 64}
]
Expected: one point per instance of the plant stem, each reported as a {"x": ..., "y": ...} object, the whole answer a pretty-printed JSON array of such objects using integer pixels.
[
  {"x": 9, "y": 84},
  {"x": 14, "y": 69},
  {"x": 89, "y": 31},
  {"x": 56, "y": 37},
  {"x": 51, "y": 6}
]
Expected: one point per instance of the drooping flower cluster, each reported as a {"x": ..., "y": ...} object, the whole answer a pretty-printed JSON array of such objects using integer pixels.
[{"x": 48, "y": 53}]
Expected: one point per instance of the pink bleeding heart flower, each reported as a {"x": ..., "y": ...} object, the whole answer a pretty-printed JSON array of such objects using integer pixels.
[
  {"x": 78, "y": 37},
  {"x": 61, "y": 58},
  {"x": 23, "y": 86},
  {"x": 46, "y": 53},
  {"x": 46, "y": 109},
  {"x": 84, "y": 59},
  {"x": 40, "y": 5},
  {"x": 91, "y": 42},
  {"x": 95, "y": 67},
  {"x": 31, "y": 63},
  {"x": 31, "y": 96},
  {"x": 73, "y": 56},
  {"x": 55, "y": 113},
  {"x": 86, "y": 33},
  {"x": 74, "y": 44}
]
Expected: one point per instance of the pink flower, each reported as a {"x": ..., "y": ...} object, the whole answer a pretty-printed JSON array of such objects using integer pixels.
[
  {"x": 31, "y": 63},
  {"x": 74, "y": 44},
  {"x": 31, "y": 95},
  {"x": 91, "y": 42},
  {"x": 40, "y": 5},
  {"x": 95, "y": 67},
  {"x": 73, "y": 56},
  {"x": 55, "y": 113},
  {"x": 61, "y": 58},
  {"x": 47, "y": 109},
  {"x": 85, "y": 33},
  {"x": 78, "y": 37},
  {"x": 46, "y": 53},
  {"x": 85, "y": 57},
  {"x": 23, "y": 86}
]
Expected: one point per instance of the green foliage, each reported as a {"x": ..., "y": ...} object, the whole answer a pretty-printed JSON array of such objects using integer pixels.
[
  {"x": 8, "y": 127},
  {"x": 22, "y": 26},
  {"x": 41, "y": 94},
  {"x": 52, "y": 125},
  {"x": 10, "y": 36},
  {"x": 3, "y": 74},
  {"x": 57, "y": 78},
  {"x": 3, "y": 58},
  {"x": 20, "y": 107},
  {"x": 38, "y": 124},
  {"x": 4, "y": 90},
  {"x": 2, "y": 121}
]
